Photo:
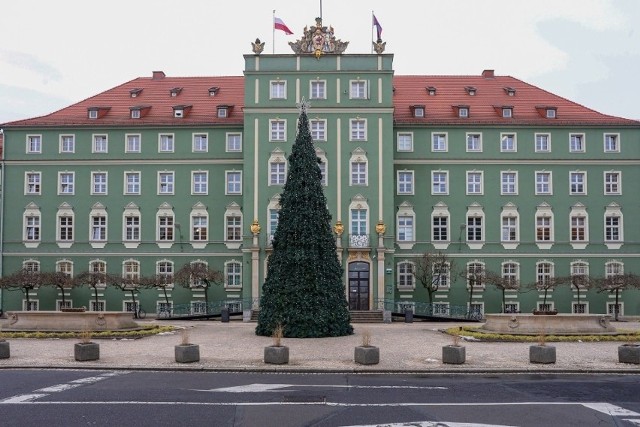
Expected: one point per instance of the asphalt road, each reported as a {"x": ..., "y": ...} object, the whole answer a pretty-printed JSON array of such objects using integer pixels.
[{"x": 155, "y": 398}]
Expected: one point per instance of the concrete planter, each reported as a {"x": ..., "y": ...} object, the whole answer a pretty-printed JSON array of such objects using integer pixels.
[
  {"x": 224, "y": 315},
  {"x": 5, "y": 350},
  {"x": 542, "y": 354},
  {"x": 187, "y": 353},
  {"x": 629, "y": 353},
  {"x": 276, "y": 355},
  {"x": 369, "y": 355},
  {"x": 86, "y": 351},
  {"x": 454, "y": 354}
]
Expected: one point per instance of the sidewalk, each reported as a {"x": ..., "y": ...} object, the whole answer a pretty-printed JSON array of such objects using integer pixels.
[{"x": 404, "y": 347}]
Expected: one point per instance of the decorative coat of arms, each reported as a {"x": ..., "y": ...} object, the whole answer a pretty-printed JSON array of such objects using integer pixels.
[{"x": 318, "y": 40}]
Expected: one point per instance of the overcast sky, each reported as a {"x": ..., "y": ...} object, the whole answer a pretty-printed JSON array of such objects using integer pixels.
[{"x": 56, "y": 53}]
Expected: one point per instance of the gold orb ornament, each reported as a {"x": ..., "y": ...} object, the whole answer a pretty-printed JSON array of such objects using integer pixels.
[
  {"x": 380, "y": 227},
  {"x": 255, "y": 227},
  {"x": 338, "y": 228}
]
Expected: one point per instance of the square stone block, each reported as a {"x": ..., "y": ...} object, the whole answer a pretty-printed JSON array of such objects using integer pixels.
[
  {"x": 542, "y": 354},
  {"x": 276, "y": 355},
  {"x": 5, "y": 350},
  {"x": 86, "y": 351},
  {"x": 629, "y": 353},
  {"x": 187, "y": 353},
  {"x": 454, "y": 354},
  {"x": 367, "y": 355}
]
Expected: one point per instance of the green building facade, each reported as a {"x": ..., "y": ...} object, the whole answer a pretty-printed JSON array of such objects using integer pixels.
[{"x": 496, "y": 174}]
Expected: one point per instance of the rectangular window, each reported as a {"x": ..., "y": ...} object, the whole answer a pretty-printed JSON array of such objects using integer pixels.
[
  {"x": 358, "y": 173},
  {"x": 405, "y": 182},
  {"x": 199, "y": 182},
  {"x": 199, "y": 230},
  {"x": 578, "y": 182},
  {"x": 98, "y": 183},
  {"x": 474, "y": 229},
  {"x": 440, "y": 228},
  {"x": 132, "y": 228},
  {"x": 474, "y": 142},
  {"x": 509, "y": 229},
  {"x": 323, "y": 172},
  {"x": 65, "y": 228},
  {"x": 277, "y": 174},
  {"x": 405, "y": 228},
  {"x": 543, "y": 229},
  {"x": 543, "y": 142},
  {"x": 612, "y": 225},
  {"x": 100, "y": 144},
  {"x": 439, "y": 183},
  {"x": 405, "y": 142},
  {"x": 34, "y": 144},
  {"x": 358, "y": 130},
  {"x": 278, "y": 130},
  {"x": 234, "y": 182},
  {"x": 579, "y": 308},
  {"x": 578, "y": 229},
  {"x": 358, "y": 90},
  {"x": 165, "y": 228},
  {"x": 543, "y": 182},
  {"x": 234, "y": 274},
  {"x": 67, "y": 143},
  {"x": 132, "y": 183},
  {"x": 438, "y": 142},
  {"x": 273, "y": 223},
  {"x": 278, "y": 90},
  {"x": 318, "y": 89},
  {"x": 32, "y": 183},
  {"x": 98, "y": 228},
  {"x": 200, "y": 143},
  {"x": 234, "y": 230},
  {"x": 318, "y": 130},
  {"x": 508, "y": 142},
  {"x": 509, "y": 183},
  {"x": 66, "y": 183},
  {"x": 612, "y": 183},
  {"x": 358, "y": 222},
  {"x": 234, "y": 142},
  {"x": 576, "y": 143},
  {"x": 474, "y": 182},
  {"x": 165, "y": 143},
  {"x": 166, "y": 181},
  {"x": 32, "y": 228},
  {"x": 132, "y": 144},
  {"x": 611, "y": 143}
]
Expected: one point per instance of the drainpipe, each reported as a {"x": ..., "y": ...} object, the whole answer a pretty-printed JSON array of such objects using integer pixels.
[{"x": 2, "y": 166}]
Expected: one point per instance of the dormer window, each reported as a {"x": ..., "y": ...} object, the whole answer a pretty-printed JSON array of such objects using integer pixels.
[
  {"x": 97, "y": 112},
  {"x": 510, "y": 91},
  {"x": 180, "y": 111},
  {"x": 223, "y": 111},
  {"x": 471, "y": 91},
  {"x": 463, "y": 112},
  {"x": 93, "y": 114},
  {"x": 431, "y": 90},
  {"x": 139, "y": 111},
  {"x": 547, "y": 111},
  {"x": 417, "y": 110},
  {"x": 551, "y": 113},
  {"x": 135, "y": 113},
  {"x": 133, "y": 93},
  {"x": 507, "y": 112},
  {"x": 213, "y": 90},
  {"x": 175, "y": 91}
]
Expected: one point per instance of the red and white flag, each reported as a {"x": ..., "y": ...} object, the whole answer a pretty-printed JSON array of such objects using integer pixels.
[{"x": 279, "y": 24}]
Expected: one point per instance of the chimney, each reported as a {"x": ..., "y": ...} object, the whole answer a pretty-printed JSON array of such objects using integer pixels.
[
  {"x": 487, "y": 74},
  {"x": 158, "y": 75}
]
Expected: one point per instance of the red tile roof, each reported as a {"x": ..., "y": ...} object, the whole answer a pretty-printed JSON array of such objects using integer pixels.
[
  {"x": 156, "y": 93},
  {"x": 485, "y": 106},
  {"x": 529, "y": 103}
]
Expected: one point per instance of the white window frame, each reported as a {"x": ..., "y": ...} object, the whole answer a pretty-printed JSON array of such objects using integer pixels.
[
  {"x": 573, "y": 148},
  {"x": 475, "y": 212},
  {"x": 318, "y": 89},
  {"x": 318, "y": 129},
  {"x": 131, "y": 229},
  {"x": 358, "y": 173},
  {"x": 510, "y": 271},
  {"x": 66, "y": 239},
  {"x": 578, "y": 226},
  {"x": 132, "y": 143},
  {"x": 509, "y": 226},
  {"x": 475, "y": 183},
  {"x": 233, "y": 274},
  {"x": 233, "y": 226},
  {"x": 358, "y": 129},
  {"x": 613, "y": 210},
  {"x": 508, "y": 187},
  {"x": 476, "y": 264},
  {"x": 67, "y": 143},
  {"x": 199, "y": 226},
  {"x": 610, "y": 147},
  {"x": 405, "y": 275},
  {"x": 98, "y": 229},
  {"x": 132, "y": 188},
  {"x": 32, "y": 226},
  {"x": 166, "y": 183},
  {"x": 574, "y": 307},
  {"x": 473, "y": 142},
  {"x": 96, "y": 186},
  {"x": 614, "y": 188},
  {"x": 277, "y": 130},
  {"x": 233, "y": 186},
  {"x": 358, "y": 89},
  {"x": 233, "y": 142},
  {"x": 166, "y": 143},
  {"x": 577, "y": 182},
  {"x": 277, "y": 172},
  {"x": 278, "y": 89},
  {"x": 198, "y": 186},
  {"x": 324, "y": 167},
  {"x": 440, "y": 210},
  {"x": 539, "y": 148},
  {"x": 165, "y": 226},
  {"x": 545, "y": 214},
  {"x": 405, "y": 182},
  {"x": 200, "y": 142},
  {"x": 548, "y": 183},
  {"x": 99, "y": 143},
  {"x": 514, "y": 145},
  {"x": 68, "y": 187},
  {"x": 406, "y": 226},
  {"x": 33, "y": 144},
  {"x": 439, "y": 190},
  {"x": 439, "y": 142},
  {"x": 35, "y": 184},
  {"x": 404, "y": 142}
]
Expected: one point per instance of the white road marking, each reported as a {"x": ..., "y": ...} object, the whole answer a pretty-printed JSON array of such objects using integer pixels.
[
  {"x": 634, "y": 422},
  {"x": 22, "y": 398},
  {"x": 88, "y": 380},
  {"x": 431, "y": 424},
  {"x": 607, "y": 408},
  {"x": 59, "y": 387},
  {"x": 256, "y": 388}
]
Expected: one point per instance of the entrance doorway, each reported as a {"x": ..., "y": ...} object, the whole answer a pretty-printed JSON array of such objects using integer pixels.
[{"x": 359, "y": 286}]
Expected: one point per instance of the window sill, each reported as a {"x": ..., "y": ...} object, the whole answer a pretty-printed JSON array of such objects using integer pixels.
[
  {"x": 98, "y": 245},
  {"x": 233, "y": 245},
  {"x": 131, "y": 245},
  {"x": 613, "y": 245},
  {"x": 64, "y": 245}
]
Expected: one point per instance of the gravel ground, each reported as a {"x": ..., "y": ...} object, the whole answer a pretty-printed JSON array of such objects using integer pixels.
[{"x": 404, "y": 347}]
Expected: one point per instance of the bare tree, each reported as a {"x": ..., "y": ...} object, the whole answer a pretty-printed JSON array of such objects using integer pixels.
[
  {"x": 502, "y": 283},
  {"x": 432, "y": 270},
  {"x": 95, "y": 280},
  {"x": 59, "y": 280},
  {"x": 198, "y": 275},
  {"x": 133, "y": 284},
  {"x": 581, "y": 282},
  {"x": 25, "y": 280},
  {"x": 617, "y": 283},
  {"x": 159, "y": 281},
  {"x": 547, "y": 284},
  {"x": 474, "y": 276}
]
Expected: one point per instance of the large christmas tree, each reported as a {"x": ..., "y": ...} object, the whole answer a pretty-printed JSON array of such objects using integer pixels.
[{"x": 303, "y": 290}]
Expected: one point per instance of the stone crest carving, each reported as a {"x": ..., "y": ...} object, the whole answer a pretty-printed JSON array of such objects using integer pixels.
[{"x": 318, "y": 40}]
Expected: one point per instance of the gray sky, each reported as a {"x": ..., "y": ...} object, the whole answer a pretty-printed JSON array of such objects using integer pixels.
[{"x": 56, "y": 53}]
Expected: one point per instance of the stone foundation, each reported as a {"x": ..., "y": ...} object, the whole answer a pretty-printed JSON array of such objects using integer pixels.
[
  {"x": 73, "y": 322},
  {"x": 559, "y": 324}
]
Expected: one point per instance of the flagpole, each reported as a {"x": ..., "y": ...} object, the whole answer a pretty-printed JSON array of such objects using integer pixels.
[
  {"x": 273, "y": 31},
  {"x": 372, "y": 15},
  {"x": 321, "y": 10}
]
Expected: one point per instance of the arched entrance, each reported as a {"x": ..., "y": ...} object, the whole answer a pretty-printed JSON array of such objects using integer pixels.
[{"x": 359, "y": 286}]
